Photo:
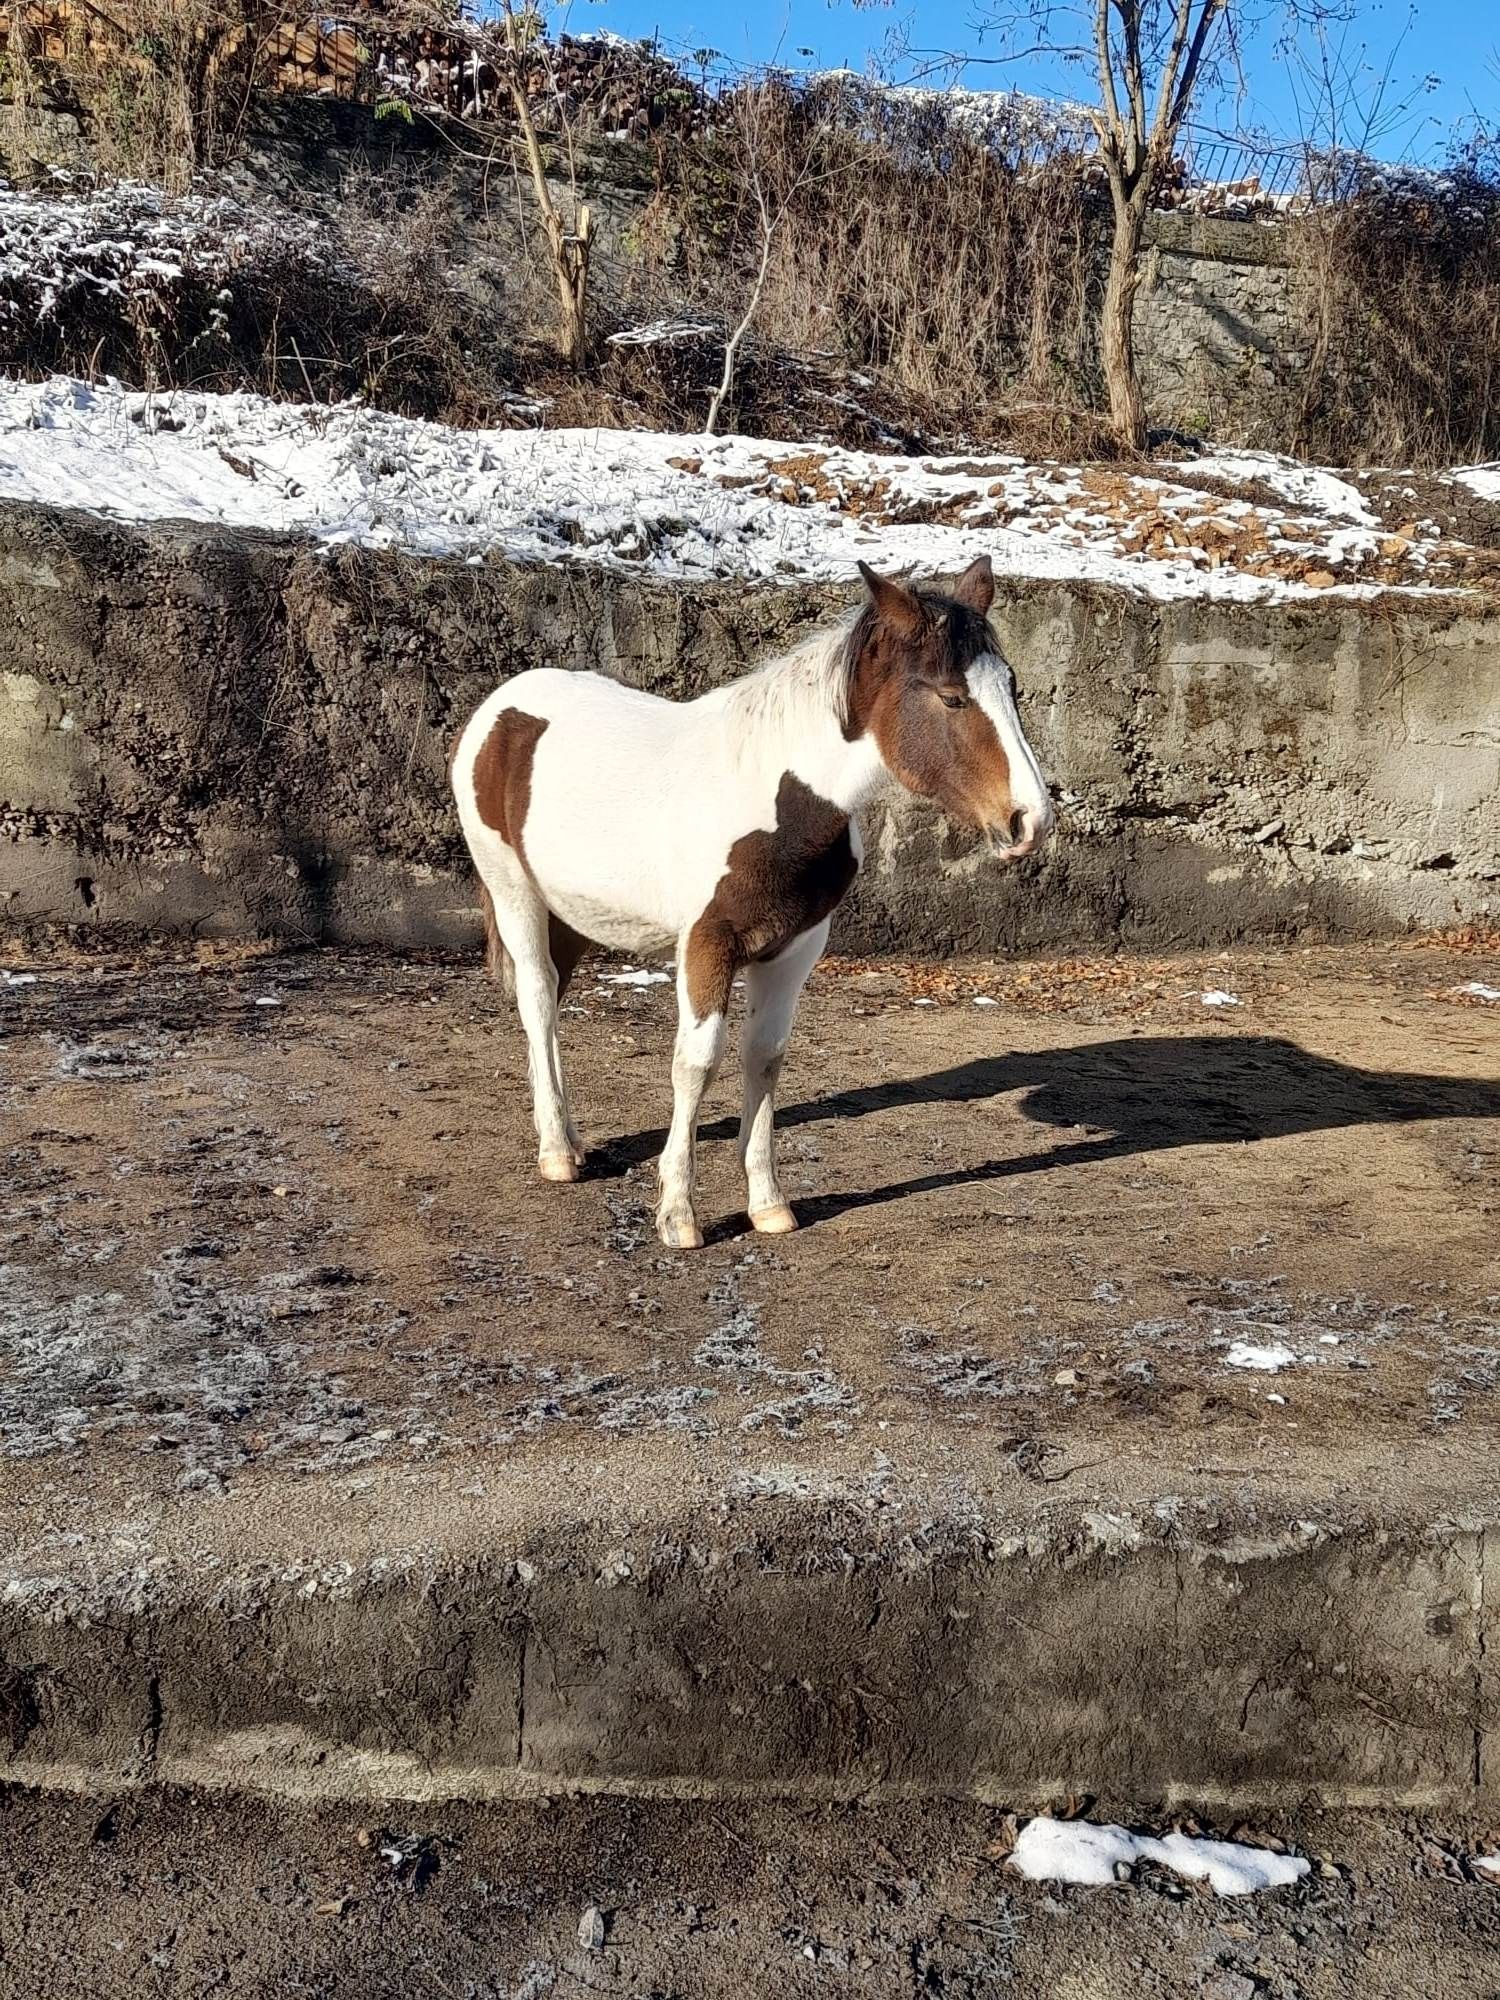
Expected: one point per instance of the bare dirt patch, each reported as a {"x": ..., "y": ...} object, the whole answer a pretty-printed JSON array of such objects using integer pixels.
[
  {"x": 281, "y": 1212},
  {"x": 186, "y": 1894}
]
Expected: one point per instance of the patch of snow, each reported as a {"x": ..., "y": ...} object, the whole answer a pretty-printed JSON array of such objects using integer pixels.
[
  {"x": 1483, "y": 480},
  {"x": 1479, "y": 990},
  {"x": 665, "y": 333},
  {"x": 1215, "y": 997},
  {"x": 1487, "y": 1865},
  {"x": 984, "y": 1000},
  {"x": 133, "y": 242},
  {"x": 19, "y": 978},
  {"x": 635, "y": 977},
  {"x": 1267, "y": 1360},
  {"x": 1052, "y": 1850},
  {"x": 641, "y": 502},
  {"x": 1307, "y": 486}
]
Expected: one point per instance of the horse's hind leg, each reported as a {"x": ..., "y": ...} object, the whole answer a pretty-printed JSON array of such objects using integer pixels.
[
  {"x": 526, "y": 932},
  {"x": 772, "y": 990}
]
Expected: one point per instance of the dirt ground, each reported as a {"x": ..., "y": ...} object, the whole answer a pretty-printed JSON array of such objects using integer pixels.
[
  {"x": 267, "y": 1211},
  {"x": 165, "y": 1896}
]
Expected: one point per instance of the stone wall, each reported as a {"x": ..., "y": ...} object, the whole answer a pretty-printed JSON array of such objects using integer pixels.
[
  {"x": 1223, "y": 320},
  {"x": 240, "y": 735}
]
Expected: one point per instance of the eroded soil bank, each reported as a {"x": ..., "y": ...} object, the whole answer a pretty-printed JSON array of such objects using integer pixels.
[{"x": 236, "y": 735}]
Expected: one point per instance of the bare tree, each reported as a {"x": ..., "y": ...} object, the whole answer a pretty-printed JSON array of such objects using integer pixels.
[
  {"x": 1149, "y": 58},
  {"x": 749, "y": 110},
  {"x": 570, "y": 236}
]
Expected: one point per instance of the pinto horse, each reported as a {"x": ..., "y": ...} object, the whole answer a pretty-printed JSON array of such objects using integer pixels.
[{"x": 725, "y": 828}]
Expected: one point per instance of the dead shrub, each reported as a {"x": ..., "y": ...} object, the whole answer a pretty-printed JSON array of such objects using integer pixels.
[
  {"x": 954, "y": 270},
  {"x": 1405, "y": 307},
  {"x": 198, "y": 293},
  {"x": 162, "y": 84}
]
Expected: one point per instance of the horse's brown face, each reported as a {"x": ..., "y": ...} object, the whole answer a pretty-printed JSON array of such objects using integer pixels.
[{"x": 931, "y": 686}]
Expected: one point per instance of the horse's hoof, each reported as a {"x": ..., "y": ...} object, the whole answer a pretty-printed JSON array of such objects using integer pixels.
[
  {"x": 777, "y": 1221},
  {"x": 558, "y": 1166},
  {"x": 679, "y": 1232}
]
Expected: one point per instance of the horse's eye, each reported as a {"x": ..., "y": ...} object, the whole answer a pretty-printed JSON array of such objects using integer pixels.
[{"x": 954, "y": 700}]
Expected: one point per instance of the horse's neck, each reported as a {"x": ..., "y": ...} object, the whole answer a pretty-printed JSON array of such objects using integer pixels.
[{"x": 791, "y": 720}]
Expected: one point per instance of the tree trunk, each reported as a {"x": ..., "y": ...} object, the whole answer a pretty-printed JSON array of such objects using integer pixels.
[{"x": 1127, "y": 406}]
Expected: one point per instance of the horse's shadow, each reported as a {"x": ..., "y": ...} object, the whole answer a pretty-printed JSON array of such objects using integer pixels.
[{"x": 1132, "y": 1095}]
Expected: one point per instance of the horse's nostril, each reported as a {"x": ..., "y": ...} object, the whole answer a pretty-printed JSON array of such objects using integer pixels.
[{"x": 1017, "y": 827}]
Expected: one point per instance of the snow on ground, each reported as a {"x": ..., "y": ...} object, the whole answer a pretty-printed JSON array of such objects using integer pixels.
[
  {"x": 1306, "y": 486},
  {"x": 675, "y": 506},
  {"x": 1053, "y": 1850},
  {"x": 129, "y": 240},
  {"x": 1267, "y": 1360},
  {"x": 1483, "y": 480}
]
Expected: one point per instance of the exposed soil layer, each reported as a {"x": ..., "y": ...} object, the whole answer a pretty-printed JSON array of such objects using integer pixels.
[{"x": 179, "y": 1894}]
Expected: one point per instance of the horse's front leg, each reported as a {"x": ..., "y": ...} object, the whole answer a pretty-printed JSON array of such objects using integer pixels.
[
  {"x": 772, "y": 990},
  {"x": 705, "y": 970}
]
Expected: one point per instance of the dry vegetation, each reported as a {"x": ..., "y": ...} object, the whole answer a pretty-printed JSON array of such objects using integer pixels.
[
  {"x": 1406, "y": 315},
  {"x": 955, "y": 274},
  {"x": 923, "y": 283}
]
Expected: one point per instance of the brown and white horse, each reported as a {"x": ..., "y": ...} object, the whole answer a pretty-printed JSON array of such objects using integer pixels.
[{"x": 725, "y": 828}]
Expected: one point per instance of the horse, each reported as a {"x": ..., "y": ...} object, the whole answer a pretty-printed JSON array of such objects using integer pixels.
[{"x": 726, "y": 830}]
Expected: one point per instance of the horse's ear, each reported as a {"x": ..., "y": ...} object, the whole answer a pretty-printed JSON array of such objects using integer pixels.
[
  {"x": 975, "y": 589},
  {"x": 896, "y": 604}
]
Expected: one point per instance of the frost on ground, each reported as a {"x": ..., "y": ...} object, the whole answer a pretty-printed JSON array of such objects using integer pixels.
[
  {"x": 688, "y": 506},
  {"x": 1053, "y": 1850}
]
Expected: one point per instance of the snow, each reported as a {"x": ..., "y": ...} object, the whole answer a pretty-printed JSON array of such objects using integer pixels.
[
  {"x": 1216, "y": 998},
  {"x": 1269, "y": 1360},
  {"x": 646, "y": 502},
  {"x": 664, "y": 332},
  {"x": 1487, "y": 1865},
  {"x": 1307, "y": 486},
  {"x": 132, "y": 241},
  {"x": 1483, "y": 480},
  {"x": 634, "y": 976},
  {"x": 1480, "y": 991},
  {"x": 1052, "y": 1850}
]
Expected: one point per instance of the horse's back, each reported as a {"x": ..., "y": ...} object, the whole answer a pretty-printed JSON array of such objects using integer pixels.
[{"x": 602, "y": 808}]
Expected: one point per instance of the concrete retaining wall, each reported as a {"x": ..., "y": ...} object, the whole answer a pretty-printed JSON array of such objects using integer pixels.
[{"x": 239, "y": 735}]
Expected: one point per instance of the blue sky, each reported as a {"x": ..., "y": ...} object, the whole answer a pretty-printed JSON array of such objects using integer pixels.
[{"x": 1443, "y": 39}]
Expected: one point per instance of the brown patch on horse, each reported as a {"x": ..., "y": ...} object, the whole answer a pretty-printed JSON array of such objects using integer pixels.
[
  {"x": 910, "y": 652},
  {"x": 502, "y": 775},
  {"x": 774, "y": 887}
]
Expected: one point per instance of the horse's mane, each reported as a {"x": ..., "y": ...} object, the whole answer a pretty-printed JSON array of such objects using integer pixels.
[{"x": 807, "y": 684}]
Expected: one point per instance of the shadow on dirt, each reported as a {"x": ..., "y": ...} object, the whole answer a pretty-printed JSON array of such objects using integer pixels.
[{"x": 1132, "y": 1095}]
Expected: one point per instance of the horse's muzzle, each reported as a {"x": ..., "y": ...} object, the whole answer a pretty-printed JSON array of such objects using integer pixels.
[{"x": 1029, "y": 827}]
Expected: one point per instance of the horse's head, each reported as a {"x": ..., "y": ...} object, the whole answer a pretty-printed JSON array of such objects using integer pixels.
[{"x": 928, "y": 681}]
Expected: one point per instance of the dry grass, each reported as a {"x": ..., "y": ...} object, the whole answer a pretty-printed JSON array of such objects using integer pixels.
[
  {"x": 163, "y": 84},
  {"x": 1406, "y": 321},
  {"x": 954, "y": 275}
]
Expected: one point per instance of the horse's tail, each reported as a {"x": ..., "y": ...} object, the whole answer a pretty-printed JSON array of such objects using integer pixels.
[{"x": 497, "y": 960}]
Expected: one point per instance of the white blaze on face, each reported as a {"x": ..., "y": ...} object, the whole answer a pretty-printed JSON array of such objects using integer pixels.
[{"x": 991, "y": 687}]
